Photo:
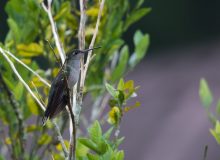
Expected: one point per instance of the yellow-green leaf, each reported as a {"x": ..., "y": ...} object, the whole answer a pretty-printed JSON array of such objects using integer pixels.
[
  {"x": 32, "y": 128},
  {"x": 114, "y": 115},
  {"x": 92, "y": 11},
  {"x": 137, "y": 104},
  {"x": 44, "y": 139},
  {"x": 8, "y": 141},
  {"x": 59, "y": 146},
  {"x": 29, "y": 50},
  {"x": 32, "y": 105},
  {"x": 82, "y": 150},
  {"x": 129, "y": 85},
  {"x": 121, "y": 84},
  {"x": 205, "y": 94},
  {"x": 18, "y": 90},
  {"x": 35, "y": 82},
  {"x": 26, "y": 60}
]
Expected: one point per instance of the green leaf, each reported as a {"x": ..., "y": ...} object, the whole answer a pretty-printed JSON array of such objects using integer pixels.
[
  {"x": 114, "y": 116},
  {"x": 129, "y": 85},
  {"x": 119, "y": 141},
  {"x": 65, "y": 9},
  {"x": 121, "y": 98},
  {"x": 137, "y": 104},
  {"x": 108, "y": 133},
  {"x": 135, "y": 16},
  {"x": 93, "y": 157},
  {"x": 1, "y": 157},
  {"x": 103, "y": 146},
  {"x": 113, "y": 102},
  {"x": 33, "y": 128},
  {"x": 93, "y": 11},
  {"x": 90, "y": 144},
  {"x": 14, "y": 29},
  {"x": 121, "y": 84},
  {"x": 8, "y": 82},
  {"x": 205, "y": 94},
  {"x": 44, "y": 139},
  {"x": 120, "y": 155},
  {"x": 18, "y": 90},
  {"x": 218, "y": 107},
  {"x": 30, "y": 50},
  {"x": 120, "y": 68},
  {"x": 212, "y": 118},
  {"x": 95, "y": 132},
  {"x": 111, "y": 90},
  {"x": 109, "y": 155},
  {"x": 32, "y": 105},
  {"x": 216, "y": 132},
  {"x": 139, "y": 3},
  {"x": 81, "y": 150},
  {"x": 141, "y": 45}
]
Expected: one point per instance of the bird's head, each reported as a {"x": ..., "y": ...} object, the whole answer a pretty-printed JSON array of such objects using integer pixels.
[{"x": 77, "y": 54}]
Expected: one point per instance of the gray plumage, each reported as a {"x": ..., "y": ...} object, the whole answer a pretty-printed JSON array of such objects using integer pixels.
[{"x": 58, "y": 95}]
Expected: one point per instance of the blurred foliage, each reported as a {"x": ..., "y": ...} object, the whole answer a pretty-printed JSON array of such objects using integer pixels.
[
  {"x": 124, "y": 91},
  {"x": 29, "y": 27},
  {"x": 99, "y": 146},
  {"x": 207, "y": 101}
]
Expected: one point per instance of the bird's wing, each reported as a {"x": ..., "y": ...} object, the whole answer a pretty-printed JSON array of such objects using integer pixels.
[{"x": 57, "y": 97}]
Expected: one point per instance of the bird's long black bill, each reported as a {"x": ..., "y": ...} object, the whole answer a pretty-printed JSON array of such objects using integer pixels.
[{"x": 87, "y": 50}]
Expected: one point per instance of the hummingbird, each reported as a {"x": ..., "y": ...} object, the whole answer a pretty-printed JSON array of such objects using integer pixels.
[{"x": 68, "y": 74}]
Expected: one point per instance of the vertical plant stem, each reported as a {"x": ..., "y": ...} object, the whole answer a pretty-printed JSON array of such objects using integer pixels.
[
  {"x": 54, "y": 30},
  {"x": 93, "y": 41},
  {"x": 18, "y": 115}
]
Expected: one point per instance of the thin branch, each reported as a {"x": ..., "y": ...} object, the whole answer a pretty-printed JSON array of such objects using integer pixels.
[
  {"x": 39, "y": 97},
  {"x": 81, "y": 39},
  {"x": 54, "y": 30},
  {"x": 98, "y": 111},
  {"x": 60, "y": 138},
  {"x": 58, "y": 60},
  {"x": 85, "y": 67},
  {"x": 81, "y": 33},
  {"x": 21, "y": 79},
  {"x": 23, "y": 64}
]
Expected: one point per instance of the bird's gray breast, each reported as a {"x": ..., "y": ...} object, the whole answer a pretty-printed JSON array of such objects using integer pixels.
[{"x": 73, "y": 69}]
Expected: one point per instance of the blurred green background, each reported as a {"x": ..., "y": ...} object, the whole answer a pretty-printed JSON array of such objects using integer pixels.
[{"x": 171, "y": 23}]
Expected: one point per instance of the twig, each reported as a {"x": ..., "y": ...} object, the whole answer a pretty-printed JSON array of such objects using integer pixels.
[
  {"x": 23, "y": 64},
  {"x": 21, "y": 79},
  {"x": 83, "y": 75},
  {"x": 38, "y": 94},
  {"x": 58, "y": 60},
  {"x": 54, "y": 30},
  {"x": 205, "y": 152},
  {"x": 60, "y": 138},
  {"x": 81, "y": 33},
  {"x": 99, "y": 110},
  {"x": 81, "y": 39}
]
